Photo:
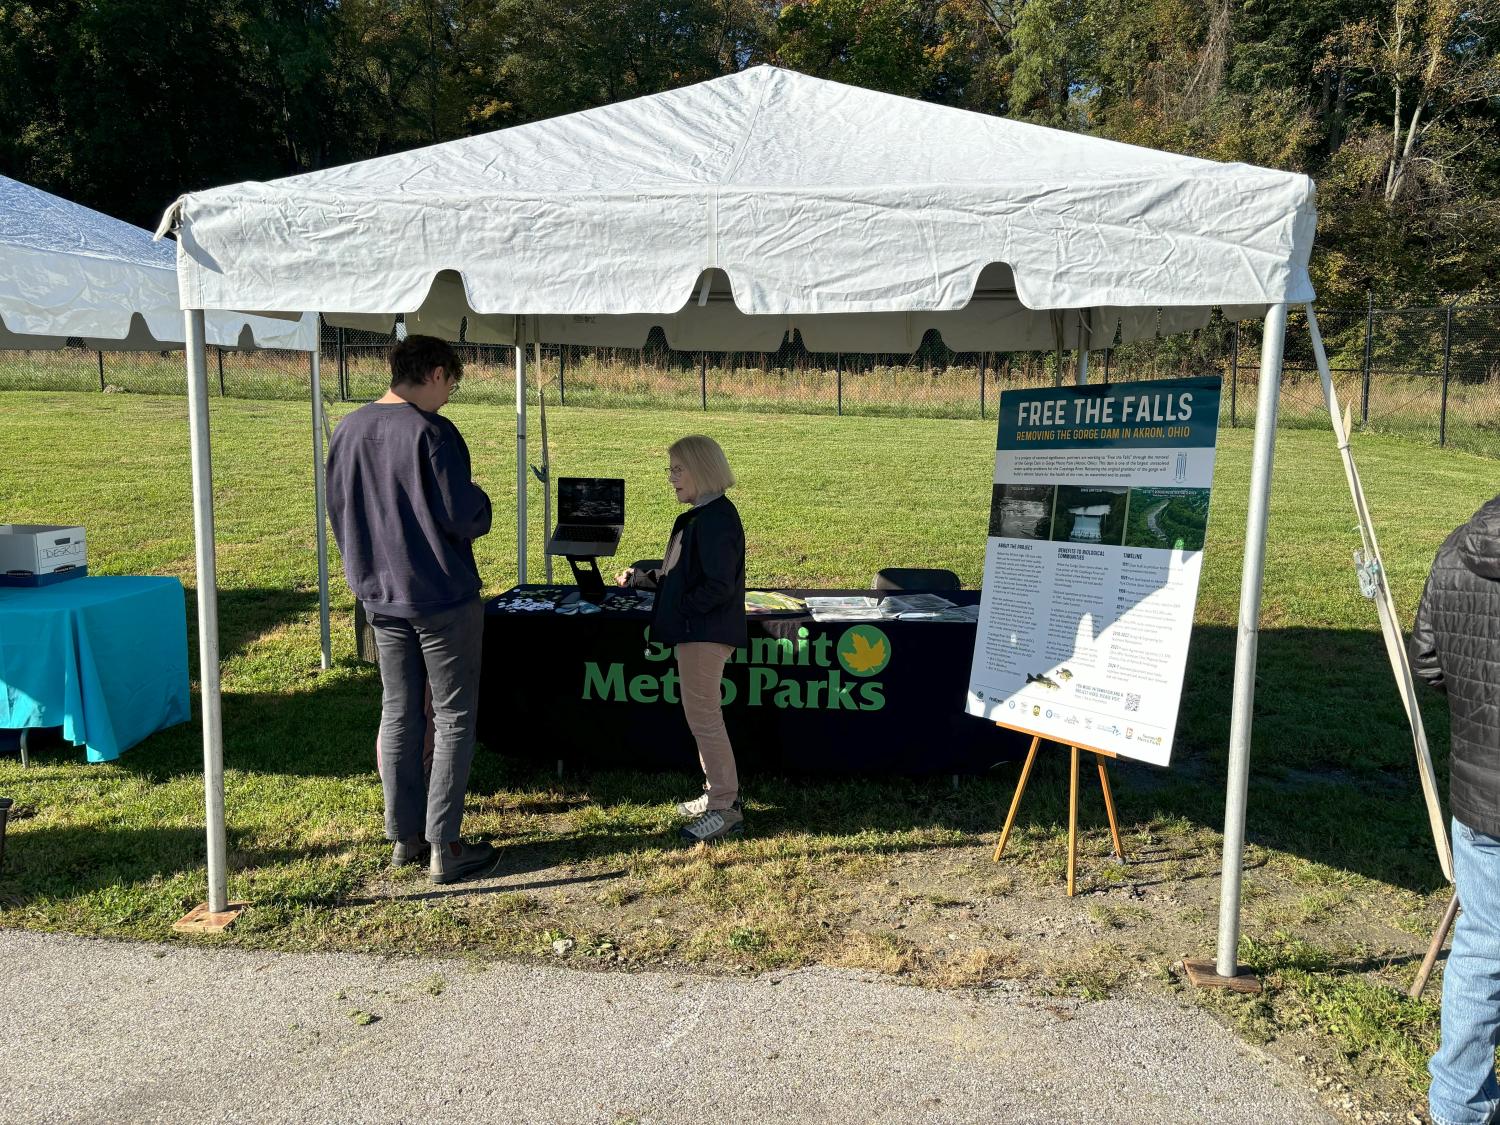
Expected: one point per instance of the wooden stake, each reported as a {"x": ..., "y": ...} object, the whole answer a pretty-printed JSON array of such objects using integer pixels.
[
  {"x": 1438, "y": 937},
  {"x": 1015, "y": 802},
  {"x": 1109, "y": 807},
  {"x": 1072, "y": 821}
]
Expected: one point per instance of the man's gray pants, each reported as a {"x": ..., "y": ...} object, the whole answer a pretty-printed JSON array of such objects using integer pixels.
[{"x": 442, "y": 650}]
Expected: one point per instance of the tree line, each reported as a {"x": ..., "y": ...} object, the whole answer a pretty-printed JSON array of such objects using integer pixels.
[{"x": 1393, "y": 106}]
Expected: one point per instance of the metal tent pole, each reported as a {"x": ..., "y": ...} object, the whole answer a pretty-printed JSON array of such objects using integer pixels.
[
  {"x": 320, "y": 501},
  {"x": 521, "y": 469},
  {"x": 1272, "y": 348},
  {"x": 208, "y": 611},
  {"x": 1057, "y": 340},
  {"x": 1085, "y": 341},
  {"x": 545, "y": 475}
]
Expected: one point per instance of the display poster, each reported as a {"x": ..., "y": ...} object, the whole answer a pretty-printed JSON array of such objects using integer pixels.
[{"x": 1096, "y": 534}]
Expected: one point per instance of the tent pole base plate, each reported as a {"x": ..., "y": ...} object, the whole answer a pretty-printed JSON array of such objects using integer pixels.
[
  {"x": 201, "y": 920},
  {"x": 1203, "y": 972}
]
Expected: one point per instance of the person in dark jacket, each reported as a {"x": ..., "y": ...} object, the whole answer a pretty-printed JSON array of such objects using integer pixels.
[
  {"x": 700, "y": 608},
  {"x": 1455, "y": 647},
  {"x": 406, "y": 511}
]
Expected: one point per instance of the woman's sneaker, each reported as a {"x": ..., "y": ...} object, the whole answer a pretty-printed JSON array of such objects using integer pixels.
[
  {"x": 711, "y": 827},
  {"x": 692, "y": 810}
]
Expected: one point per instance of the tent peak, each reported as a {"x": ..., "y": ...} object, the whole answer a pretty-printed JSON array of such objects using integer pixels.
[{"x": 816, "y": 197}]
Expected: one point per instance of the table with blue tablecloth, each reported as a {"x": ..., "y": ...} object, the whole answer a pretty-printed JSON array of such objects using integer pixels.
[{"x": 103, "y": 658}]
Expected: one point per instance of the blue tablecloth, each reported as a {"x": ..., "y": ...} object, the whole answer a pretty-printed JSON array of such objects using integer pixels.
[{"x": 104, "y": 658}]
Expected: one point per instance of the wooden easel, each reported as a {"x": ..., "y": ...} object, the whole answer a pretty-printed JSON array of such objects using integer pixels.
[{"x": 1109, "y": 807}]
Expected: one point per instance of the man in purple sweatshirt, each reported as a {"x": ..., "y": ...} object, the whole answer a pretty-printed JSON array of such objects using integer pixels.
[{"x": 405, "y": 513}]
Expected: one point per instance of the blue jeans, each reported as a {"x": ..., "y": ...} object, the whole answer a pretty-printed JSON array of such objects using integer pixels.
[
  {"x": 442, "y": 650},
  {"x": 1464, "y": 1090}
]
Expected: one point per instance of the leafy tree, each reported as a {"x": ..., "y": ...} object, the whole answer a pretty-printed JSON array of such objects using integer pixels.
[
  {"x": 125, "y": 105},
  {"x": 878, "y": 44},
  {"x": 1393, "y": 106},
  {"x": 564, "y": 55},
  {"x": 1435, "y": 58}
]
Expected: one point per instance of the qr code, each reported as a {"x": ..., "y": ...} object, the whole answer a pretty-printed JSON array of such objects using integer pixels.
[{"x": 1132, "y": 701}]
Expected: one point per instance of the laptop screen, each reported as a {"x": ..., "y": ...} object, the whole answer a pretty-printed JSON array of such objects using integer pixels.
[{"x": 591, "y": 500}]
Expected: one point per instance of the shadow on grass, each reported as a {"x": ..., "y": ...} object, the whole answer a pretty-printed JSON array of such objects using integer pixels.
[
  {"x": 66, "y": 861},
  {"x": 1268, "y": 957},
  {"x": 1333, "y": 779},
  {"x": 426, "y": 893},
  {"x": 245, "y": 615}
]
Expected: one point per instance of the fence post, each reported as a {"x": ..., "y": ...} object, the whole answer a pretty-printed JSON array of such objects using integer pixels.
[
  {"x": 101, "y": 371},
  {"x": 703, "y": 378},
  {"x": 1447, "y": 353},
  {"x": 983, "y": 364},
  {"x": 221, "y": 372},
  {"x": 562, "y": 368},
  {"x": 1234, "y": 377},
  {"x": 838, "y": 374},
  {"x": 1364, "y": 400},
  {"x": 343, "y": 368}
]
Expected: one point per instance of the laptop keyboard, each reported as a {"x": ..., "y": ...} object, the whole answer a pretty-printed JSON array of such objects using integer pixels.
[{"x": 583, "y": 532}]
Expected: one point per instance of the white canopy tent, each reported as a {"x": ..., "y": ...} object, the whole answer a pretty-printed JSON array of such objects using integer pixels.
[
  {"x": 737, "y": 210},
  {"x": 69, "y": 271}
]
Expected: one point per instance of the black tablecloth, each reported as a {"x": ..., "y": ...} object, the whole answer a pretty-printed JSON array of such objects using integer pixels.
[{"x": 877, "y": 697}]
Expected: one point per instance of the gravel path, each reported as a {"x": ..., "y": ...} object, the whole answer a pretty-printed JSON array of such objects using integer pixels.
[{"x": 101, "y": 1032}]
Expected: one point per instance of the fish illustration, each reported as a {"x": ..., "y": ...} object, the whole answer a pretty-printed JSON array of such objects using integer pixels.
[
  {"x": 1045, "y": 681},
  {"x": 1065, "y": 673}
]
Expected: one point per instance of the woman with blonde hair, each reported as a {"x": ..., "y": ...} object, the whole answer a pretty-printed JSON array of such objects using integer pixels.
[{"x": 700, "y": 608}]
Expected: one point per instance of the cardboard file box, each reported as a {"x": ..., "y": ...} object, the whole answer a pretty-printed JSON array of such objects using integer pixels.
[{"x": 33, "y": 554}]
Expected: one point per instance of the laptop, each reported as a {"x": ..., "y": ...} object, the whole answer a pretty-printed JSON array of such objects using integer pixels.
[{"x": 590, "y": 516}]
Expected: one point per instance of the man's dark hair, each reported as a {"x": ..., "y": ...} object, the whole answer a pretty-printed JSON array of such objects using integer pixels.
[{"x": 413, "y": 359}]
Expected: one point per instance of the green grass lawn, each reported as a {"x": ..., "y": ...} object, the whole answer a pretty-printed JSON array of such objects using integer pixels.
[{"x": 891, "y": 874}]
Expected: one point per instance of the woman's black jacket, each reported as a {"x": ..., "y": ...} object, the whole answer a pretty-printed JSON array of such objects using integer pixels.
[{"x": 702, "y": 598}]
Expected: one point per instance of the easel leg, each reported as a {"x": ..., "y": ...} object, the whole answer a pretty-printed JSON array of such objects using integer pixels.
[
  {"x": 1438, "y": 937},
  {"x": 1109, "y": 806},
  {"x": 1015, "y": 802},
  {"x": 1072, "y": 821}
]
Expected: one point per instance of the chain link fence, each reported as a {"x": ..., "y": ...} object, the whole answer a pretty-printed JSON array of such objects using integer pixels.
[
  {"x": 931, "y": 382},
  {"x": 1429, "y": 374},
  {"x": 231, "y": 373}
]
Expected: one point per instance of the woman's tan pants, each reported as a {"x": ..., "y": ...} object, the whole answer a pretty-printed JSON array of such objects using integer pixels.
[{"x": 700, "y": 666}]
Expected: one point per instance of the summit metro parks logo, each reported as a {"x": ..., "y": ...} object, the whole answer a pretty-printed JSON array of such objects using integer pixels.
[
  {"x": 864, "y": 650},
  {"x": 799, "y": 671}
]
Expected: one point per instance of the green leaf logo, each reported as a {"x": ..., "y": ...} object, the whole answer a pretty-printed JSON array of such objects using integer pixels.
[{"x": 864, "y": 650}]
